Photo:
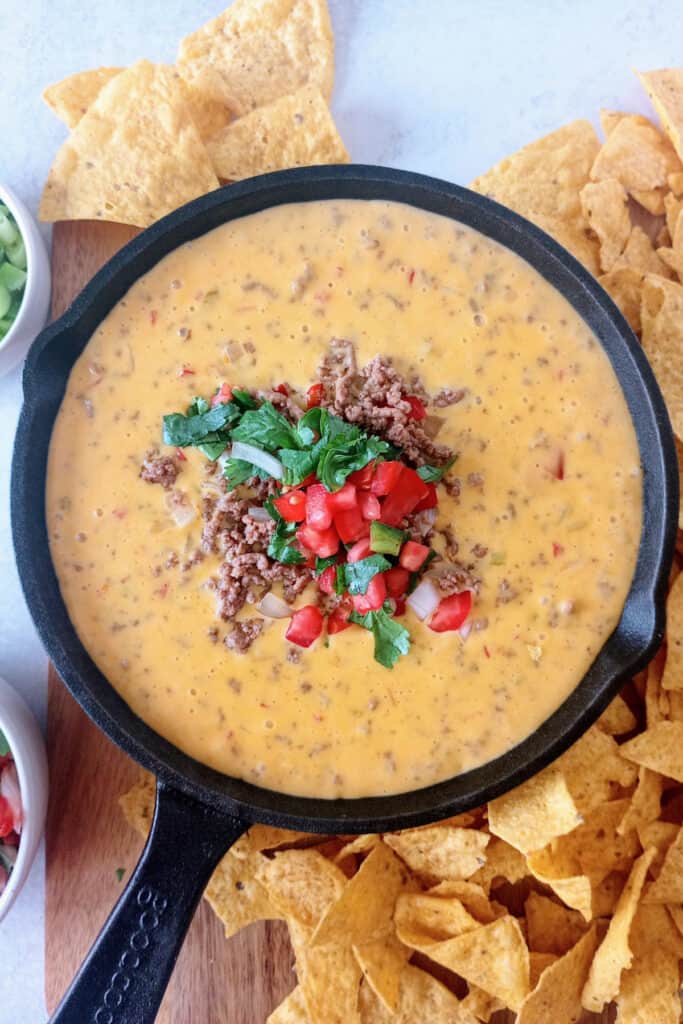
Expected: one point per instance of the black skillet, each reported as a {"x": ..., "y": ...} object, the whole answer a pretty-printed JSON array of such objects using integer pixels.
[{"x": 199, "y": 812}]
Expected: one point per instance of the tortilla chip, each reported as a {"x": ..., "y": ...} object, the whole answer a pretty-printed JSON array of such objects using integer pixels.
[
  {"x": 592, "y": 766},
  {"x": 649, "y": 991},
  {"x": 422, "y": 920},
  {"x": 645, "y": 804},
  {"x": 651, "y": 199},
  {"x": 659, "y": 835},
  {"x": 480, "y": 1004},
  {"x": 550, "y": 927},
  {"x": 493, "y": 957},
  {"x": 675, "y": 183},
  {"x": 382, "y": 964},
  {"x": 365, "y": 908},
  {"x": 135, "y": 156},
  {"x": 672, "y": 259},
  {"x": 665, "y": 89},
  {"x": 624, "y": 286},
  {"x": 291, "y": 1011},
  {"x": 609, "y": 119},
  {"x": 614, "y": 953},
  {"x": 640, "y": 254},
  {"x": 596, "y": 847},
  {"x": 359, "y": 845},
  {"x": 605, "y": 206},
  {"x": 673, "y": 667},
  {"x": 617, "y": 718},
  {"x": 538, "y": 963},
  {"x": 557, "y": 995},
  {"x": 301, "y": 884},
  {"x": 138, "y": 804},
  {"x": 574, "y": 890},
  {"x": 662, "y": 317},
  {"x": 659, "y": 748},
  {"x": 543, "y": 182},
  {"x": 209, "y": 113},
  {"x": 423, "y": 999},
  {"x": 673, "y": 208},
  {"x": 329, "y": 978},
  {"x": 236, "y": 897},
  {"x": 293, "y": 131},
  {"x": 503, "y": 864},
  {"x": 70, "y": 98},
  {"x": 529, "y": 816},
  {"x": 266, "y": 837},
  {"x": 441, "y": 853},
  {"x": 472, "y": 897},
  {"x": 261, "y": 50},
  {"x": 668, "y": 886},
  {"x": 636, "y": 154}
]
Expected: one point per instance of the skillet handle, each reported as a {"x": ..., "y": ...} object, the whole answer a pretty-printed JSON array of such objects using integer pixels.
[{"x": 125, "y": 975}]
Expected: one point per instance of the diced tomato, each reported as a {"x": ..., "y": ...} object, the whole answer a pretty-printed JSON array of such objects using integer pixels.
[
  {"x": 374, "y": 597},
  {"x": 292, "y": 506},
  {"x": 12, "y": 840},
  {"x": 6, "y": 818},
  {"x": 557, "y": 550},
  {"x": 305, "y": 626},
  {"x": 282, "y": 388},
  {"x": 452, "y": 612},
  {"x": 321, "y": 542},
  {"x": 386, "y": 477},
  {"x": 180, "y": 455},
  {"x": 411, "y": 276},
  {"x": 345, "y": 498},
  {"x": 318, "y": 507},
  {"x": 350, "y": 525},
  {"x": 223, "y": 395},
  {"x": 185, "y": 371},
  {"x": 397, "y": 580},
  {"x": 431, "y": 501},
  {"x": 327, "y": 578},
  {"x": 417, "y": 409},
  {"x": 369, "y": 505},
  {"x": 413, "y": 555},
  {"x": 362, "y": 478},
  {"x": 361, "y": 549},
  {"x": 408, "y": 492},
  {"x": 338, "y": 619},
  {"x": 314, "y": 395},
  {"x": 400, "y": 606}
]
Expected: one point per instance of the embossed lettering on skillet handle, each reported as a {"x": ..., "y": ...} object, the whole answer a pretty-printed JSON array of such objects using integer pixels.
[{"x": 125, "y": 975}]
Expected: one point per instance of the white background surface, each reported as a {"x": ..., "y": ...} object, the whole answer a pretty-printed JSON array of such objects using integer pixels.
[{"x": 446, "y": 87}]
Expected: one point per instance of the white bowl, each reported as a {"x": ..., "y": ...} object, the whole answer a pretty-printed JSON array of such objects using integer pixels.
[
  {"x": 35, "y": 304},
  {"x": 28, "y": 750}
]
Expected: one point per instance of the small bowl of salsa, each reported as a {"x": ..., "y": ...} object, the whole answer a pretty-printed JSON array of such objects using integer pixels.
[
  {"x": 24, "y": 280},
  {"x": 23, "y": 793}
]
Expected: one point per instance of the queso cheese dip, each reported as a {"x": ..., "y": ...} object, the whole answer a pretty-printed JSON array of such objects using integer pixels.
[{"x": 548, "y": 510}]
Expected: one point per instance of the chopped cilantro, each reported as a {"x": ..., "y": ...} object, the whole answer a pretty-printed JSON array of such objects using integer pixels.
[
  {"x": 280, "y": 547},
  {"x": 297, "y": 464},
  {"x": 391, "y": 638},
  {"x": 237, "y": 471},
  {"x": 244, "y": 399},
  {"x": 324, "y": 563},
  {"x": 266, "y": 428},
  {"x": 4, "y": 745},
  {"x": 203, "y": 427},
  {"x": 357, "y": 575},
  {"x": 345, "y": 453},
  {"x": 432, "y": 474},
  {"x": 120, "y": 872}
]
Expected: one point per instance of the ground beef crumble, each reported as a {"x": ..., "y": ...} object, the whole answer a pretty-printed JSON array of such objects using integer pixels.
[
  {"x": 159, "y": 469},
  {"x": 243, "y": 634},
  {"x": 374, "y": 397}
]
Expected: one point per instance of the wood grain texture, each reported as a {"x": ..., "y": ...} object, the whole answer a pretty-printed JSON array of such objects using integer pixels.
[{"x": 215, "y": 981}]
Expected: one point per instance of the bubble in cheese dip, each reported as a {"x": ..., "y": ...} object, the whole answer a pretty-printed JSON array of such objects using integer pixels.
[{"x": 445, "y": 303}]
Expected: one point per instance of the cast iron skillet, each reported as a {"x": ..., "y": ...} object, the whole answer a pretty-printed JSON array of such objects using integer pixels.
[{"x": 199, "y": 812}]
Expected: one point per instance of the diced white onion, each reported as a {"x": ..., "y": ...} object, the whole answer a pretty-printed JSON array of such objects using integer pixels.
[
  {"x": 181, "y": 509},
  {"x": 465, "y": 630},
  {"x": 9, "y": 788},
  {"x": 424, "y": 599},
  {"x": 264, "y": 460},
  {"x": 259, "y": 514},
  {"x": 273, "y": 607}
]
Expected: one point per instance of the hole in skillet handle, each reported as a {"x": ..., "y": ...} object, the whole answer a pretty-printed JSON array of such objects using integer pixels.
[{"x": 125, "y": 975}]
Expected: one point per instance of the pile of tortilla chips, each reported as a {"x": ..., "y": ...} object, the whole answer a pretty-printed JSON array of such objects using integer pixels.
[
  {"x": 565, "y": 895},
  {"x": 248, "y": 94}
]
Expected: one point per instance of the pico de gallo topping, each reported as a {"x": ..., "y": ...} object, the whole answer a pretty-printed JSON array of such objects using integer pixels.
[
  {"x": 11, "y": 815},
  {"x": 340, "y": 507}
]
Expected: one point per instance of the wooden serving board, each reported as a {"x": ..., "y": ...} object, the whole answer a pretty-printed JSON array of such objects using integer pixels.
[{"x": 215, "y": 981}]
